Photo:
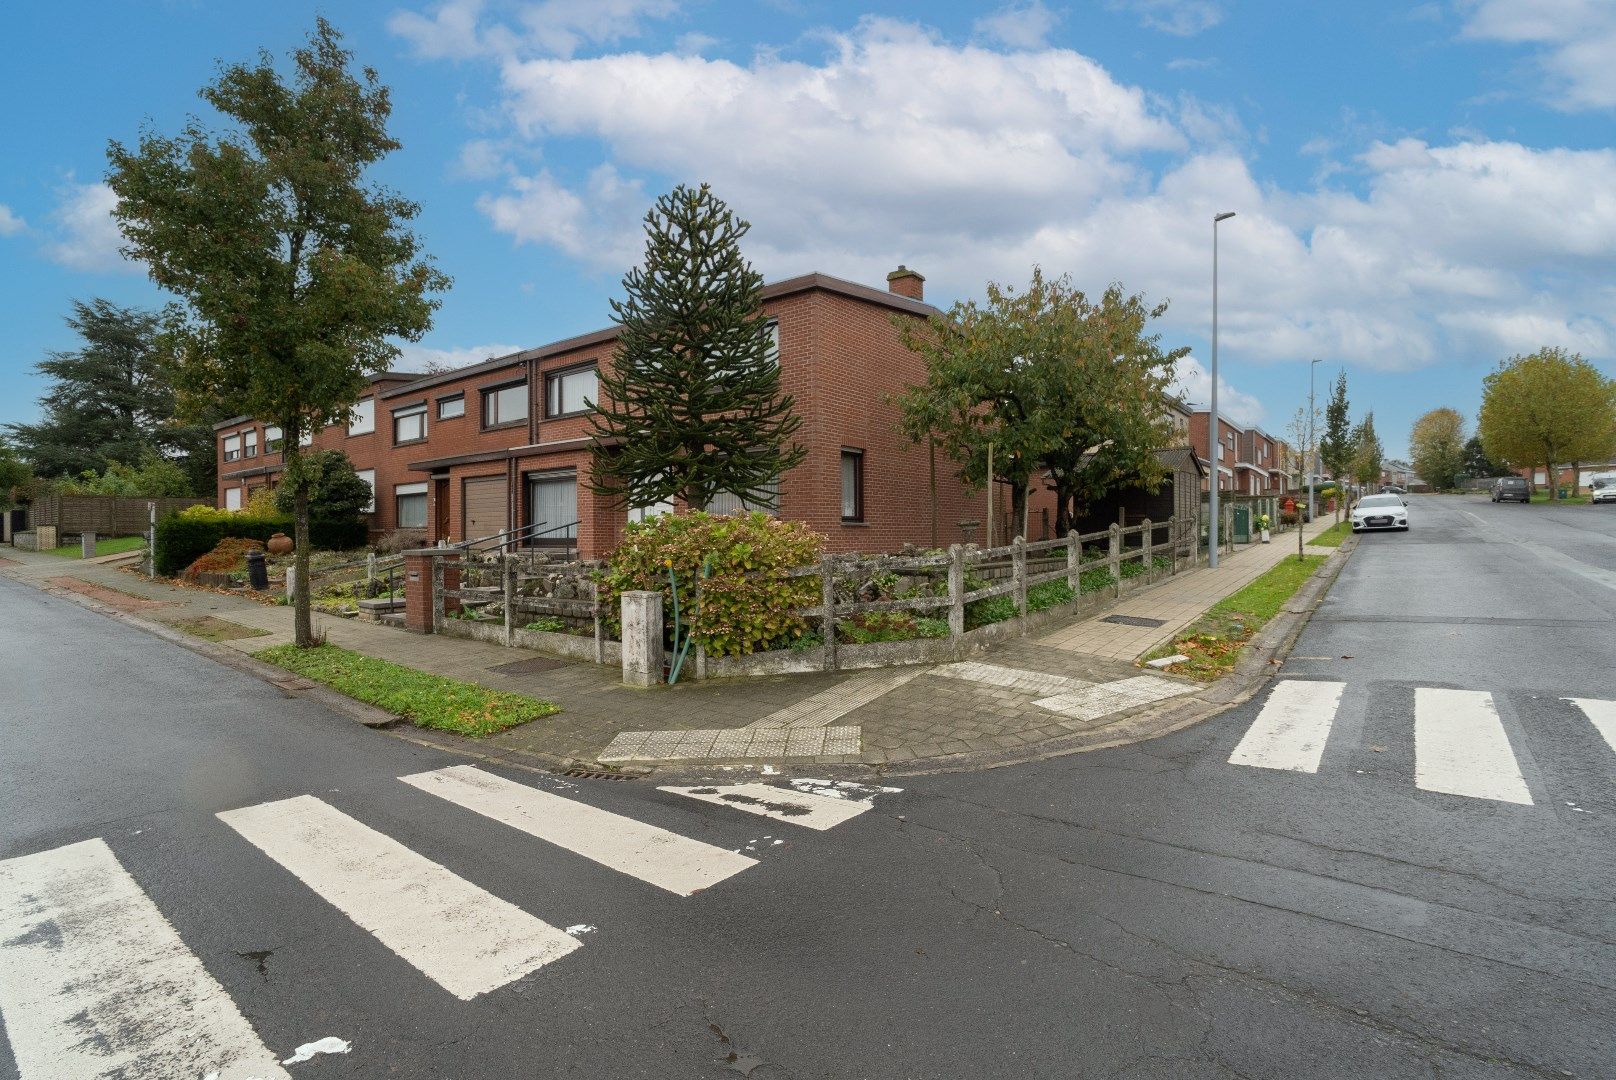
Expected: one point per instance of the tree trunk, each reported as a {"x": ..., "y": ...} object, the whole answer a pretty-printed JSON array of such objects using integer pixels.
[
  {"x": 302, "y": 624},
  {"x": 1576, "y": 479},
  {"x": 1018, "y": 506},
  {"x": 931, "y": 449}
]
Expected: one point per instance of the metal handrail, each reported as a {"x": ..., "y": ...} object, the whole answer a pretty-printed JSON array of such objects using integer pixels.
[{"x": 518, "y": 537}]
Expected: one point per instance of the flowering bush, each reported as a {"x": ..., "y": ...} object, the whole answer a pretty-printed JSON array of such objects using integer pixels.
[{"x": 747, "y": 603}]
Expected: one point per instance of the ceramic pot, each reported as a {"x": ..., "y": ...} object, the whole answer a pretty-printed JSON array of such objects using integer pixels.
[{"x": 279, "y": 544}]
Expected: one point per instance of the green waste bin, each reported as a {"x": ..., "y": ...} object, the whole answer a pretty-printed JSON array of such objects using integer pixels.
[{"x": 1242, "y": 524}]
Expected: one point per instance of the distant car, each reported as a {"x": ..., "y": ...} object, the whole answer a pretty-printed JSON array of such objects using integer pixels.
[
  {"x": 1380, "y": 512},
  {"x": 1507, "y": 488},
  {"x": 1393, "y": 489},
  {"x": 1602, "y": 489}
]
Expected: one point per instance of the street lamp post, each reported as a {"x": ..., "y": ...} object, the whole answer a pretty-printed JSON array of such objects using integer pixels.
[
  {"x": 1312, "y": 448},
  {"x": 1213, "y": 437}
]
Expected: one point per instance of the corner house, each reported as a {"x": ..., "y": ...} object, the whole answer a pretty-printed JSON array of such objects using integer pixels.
[{"x": 505, "y": 444}]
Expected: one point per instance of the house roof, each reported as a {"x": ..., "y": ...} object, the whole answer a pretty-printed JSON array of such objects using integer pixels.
[
  {"x": 1182, "y": 459},
  {"x": 788, "y": 287},
  {"x": 373, "y": 380}
]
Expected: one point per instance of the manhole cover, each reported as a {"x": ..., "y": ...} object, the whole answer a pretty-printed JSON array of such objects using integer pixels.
[
  {"x": 1134, "y": 620},
  {"x": 528, "y": 667}
]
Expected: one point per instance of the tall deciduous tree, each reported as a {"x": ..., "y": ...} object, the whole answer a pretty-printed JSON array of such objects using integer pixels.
[
  {"x": 1366, "y": 452},
  {"x": 1335, "y": 445},
  {"x": 294, "y": 272},
  {"x": 1054, "y": 382},
  {"x": 111, "y": 400},
  {"x": 1477, "y": 463},
  {"x": 691, "y": 407},
  {"x": 1437, "y": 443},
  {"x": 1548, "y": 407}
]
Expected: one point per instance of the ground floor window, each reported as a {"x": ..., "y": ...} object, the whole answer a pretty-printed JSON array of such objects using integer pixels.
[
  {"x": 552, "y": 507},
  {"x": 852, "y": 485},
  {"x": 411, "y": 502},
  {"x": 232, "y": 498}
]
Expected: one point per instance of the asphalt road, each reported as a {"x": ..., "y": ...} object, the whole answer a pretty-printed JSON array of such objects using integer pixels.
[{"x": 1149, "y": 911}]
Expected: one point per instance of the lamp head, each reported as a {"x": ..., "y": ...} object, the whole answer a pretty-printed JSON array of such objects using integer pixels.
[{"x": 1222, "y": 217}]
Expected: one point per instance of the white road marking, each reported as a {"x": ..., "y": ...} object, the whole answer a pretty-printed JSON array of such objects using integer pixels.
[
  {"x": 828, "y": 706},
  {"x": 94, "y": 982},
  {"x": 1602, "y": 714},
  {"x": 798, "y": 807},
  {"x": 662, "y": 858},
  {"x": 1031, "y": 682},
  {"x": 1292, "y": 728},
  {"x": 463, "y": 938},
  {"x": 1460, "y": 747}
]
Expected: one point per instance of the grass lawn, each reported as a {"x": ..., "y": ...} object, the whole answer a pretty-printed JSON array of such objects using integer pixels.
[
  {"x": 111, "y": 546},
  {"x": 1541, "y": 496},
  {"x": 1214, "y": 642},
  {"x": 428, "y": 701},
  {"x": 209, "y": 628},
  {"x": 1333, "y": 536}
]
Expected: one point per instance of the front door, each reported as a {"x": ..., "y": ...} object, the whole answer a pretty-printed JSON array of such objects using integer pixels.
[{"x": 440, "y": 509}]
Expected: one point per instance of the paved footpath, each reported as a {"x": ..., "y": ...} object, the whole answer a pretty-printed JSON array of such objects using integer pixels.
[{"x": 1075, "y": 686}]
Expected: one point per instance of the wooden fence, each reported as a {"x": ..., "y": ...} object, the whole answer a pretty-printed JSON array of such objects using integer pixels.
[{"x": 104, "y": 515}]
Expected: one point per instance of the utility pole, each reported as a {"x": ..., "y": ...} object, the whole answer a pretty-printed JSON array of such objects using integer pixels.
[{"x": 1312, "y": 445}]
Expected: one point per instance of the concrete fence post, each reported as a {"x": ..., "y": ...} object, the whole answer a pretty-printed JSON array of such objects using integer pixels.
[
  {"x": 291, "y": 582},
  {"x": 827, "y": 603},
  {"x": 508, "y": 588},
  {"x": 1074, "y": 558},
  {"x": 701, "y": 648},
  {"x": 1114, "y": 559},
  {"x": 642, "y": 637},
  {"x": 438, "y": 611},
  {"x": 370, "y": 566},
  {"x": 956, "y": 597},
  {"x": 1172, "y": 544},
  {"x": 86, "y": 545},
  {"x": 600, "y": 623},
  {"x": 1018, "y": 567},
  {"x": 1147, "y": 550}
]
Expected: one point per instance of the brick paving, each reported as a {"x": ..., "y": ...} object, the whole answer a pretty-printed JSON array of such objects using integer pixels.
[{"x": 1077, "y": 679}]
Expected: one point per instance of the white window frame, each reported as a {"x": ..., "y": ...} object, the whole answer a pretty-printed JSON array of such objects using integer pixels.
[
  {"x": 369, "y": 477},
  {"x": 362, "y": 418},
  {"x": 232, "y": 498}
]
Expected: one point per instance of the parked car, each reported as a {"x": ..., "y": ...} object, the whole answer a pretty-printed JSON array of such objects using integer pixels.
[
  {"x": 1380, "y": 512},
  {"x": 1393, "y": 489},
  {"x": 1602, "y": 488},
  {"x": 1506, "y": 488}
]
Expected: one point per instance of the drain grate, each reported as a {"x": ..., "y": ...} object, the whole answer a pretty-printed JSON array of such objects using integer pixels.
[
  {"x": 585, "y": 774},
  {"x": 528, "y": 667},
  {"x": 1133, "y": 620}
]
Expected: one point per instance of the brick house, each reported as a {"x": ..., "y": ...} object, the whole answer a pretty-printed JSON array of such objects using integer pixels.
[{"x": 505, "y": 444}]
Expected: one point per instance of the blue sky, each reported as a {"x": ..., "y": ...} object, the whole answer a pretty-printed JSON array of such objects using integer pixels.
[{"x": 1422, "y": 190}]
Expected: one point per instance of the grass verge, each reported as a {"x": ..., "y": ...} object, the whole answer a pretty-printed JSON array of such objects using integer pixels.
[
  {"x": 209, "y": 628},
  {"x": 1332, "y": 536},
  {"x": 428, "y": 701},
  {"x": 1541, "y": 496},
  {"x": 114, "y": 545},
  {"x": 1215, "y": 641}
]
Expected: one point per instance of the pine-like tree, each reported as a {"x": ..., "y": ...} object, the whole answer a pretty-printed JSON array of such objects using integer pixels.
[
  {"x": 1367, "y": 453},
  {"x": 691, "y": 408},
  {"x": 1336, "y": 444}
]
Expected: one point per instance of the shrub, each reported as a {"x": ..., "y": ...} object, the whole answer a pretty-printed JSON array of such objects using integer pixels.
[
  {"x": 989, "y": 610},
  {"x": 748, "y": 605},
  {"x": 1049, "y": 594},
  {"x": 869, "y": 626},
  {"x": 1095, "y": 578},
  {"x": 184, "y": 536},
  {"x": 336, "y": 492}
]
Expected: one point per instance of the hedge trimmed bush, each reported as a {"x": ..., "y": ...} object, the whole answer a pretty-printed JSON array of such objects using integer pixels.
[
  {"x": 185, "y": 536},
  {"x": 747, "y": 606}
]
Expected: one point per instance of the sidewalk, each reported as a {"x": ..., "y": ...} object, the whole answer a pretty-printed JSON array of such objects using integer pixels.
[
  {"x": 1169, "y": 608},
  {"x": 1071, "y": 689}
]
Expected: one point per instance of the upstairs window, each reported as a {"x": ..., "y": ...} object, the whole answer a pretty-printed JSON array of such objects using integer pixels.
[
  {"x": 362, "y": 421},
  {"x": 451, "y": 407},
  {"x": 249, "y": 443},
  {"x": 409, "y": 424},
  {"x": 568, "y": 393},
  {"x": 273, "y": 438},
  {"x": 232, "y": 447},
  {"x": 504, "y": 405}
]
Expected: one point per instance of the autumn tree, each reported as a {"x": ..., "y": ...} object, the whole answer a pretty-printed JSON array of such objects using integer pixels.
[
  {"x": 1335, "y": 447},
  {"x": 691, "y": 407},
  {"x": 1054, "y": 381},
  {"x": 1548, "y": 407},
  {"x": 1437, "y": 443},
  {"x": 1366, "y": 452},
  {"x": 293, "y": 273}
]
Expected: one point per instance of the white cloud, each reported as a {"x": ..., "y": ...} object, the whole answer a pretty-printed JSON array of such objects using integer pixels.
[
  {"x": 1182, "y": 18},
  {"x": 1194, "y": 386},
  {"x": 10, "y": 223},
  {"x": 414, "y": 357},
  {"x": 1575, "y": 41},
  {"x": 456, "y": 30},
  {"x": 87, "y": 237},
  {"x": 694, "y": 42},
  {"x": 482, "y": 159},
  {"x": 973, "y": 164},
  {"x": 1191, "y": 63},
  {"x": 1027, "y": 26}
]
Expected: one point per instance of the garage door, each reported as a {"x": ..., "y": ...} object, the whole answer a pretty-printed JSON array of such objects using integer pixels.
[{"x": 484, "y": 507}]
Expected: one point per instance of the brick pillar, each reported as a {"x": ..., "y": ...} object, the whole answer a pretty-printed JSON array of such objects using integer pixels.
[{"x": 418, "y": 571}]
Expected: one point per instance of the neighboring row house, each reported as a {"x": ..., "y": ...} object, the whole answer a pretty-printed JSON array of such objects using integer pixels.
[
  {"x": 1245, "y": 461},
  {"x": 505, "y": 444}
]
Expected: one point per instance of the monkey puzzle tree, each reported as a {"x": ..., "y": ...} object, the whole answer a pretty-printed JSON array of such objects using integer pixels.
[{"x": 293, "y": 272}]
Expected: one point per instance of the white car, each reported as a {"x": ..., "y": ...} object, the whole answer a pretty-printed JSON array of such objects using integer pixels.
[
  {"x": 1603, "y": 488},
  {"x": 1380, "y": 512}
]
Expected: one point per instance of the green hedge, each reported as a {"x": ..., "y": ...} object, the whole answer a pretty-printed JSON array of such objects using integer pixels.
[{"x": 184, "y": 536}]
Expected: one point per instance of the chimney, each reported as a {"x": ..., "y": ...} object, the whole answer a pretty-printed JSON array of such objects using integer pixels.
[{"x": 906, "y": 282}]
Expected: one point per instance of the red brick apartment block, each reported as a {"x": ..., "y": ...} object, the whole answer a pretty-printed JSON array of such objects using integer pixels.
[{"x": 505, "y": 444}]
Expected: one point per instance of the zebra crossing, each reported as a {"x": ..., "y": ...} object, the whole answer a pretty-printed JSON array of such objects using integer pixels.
[
  {"x": 1460, "y": 744},
  {"x": 96, "y": 982}
]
